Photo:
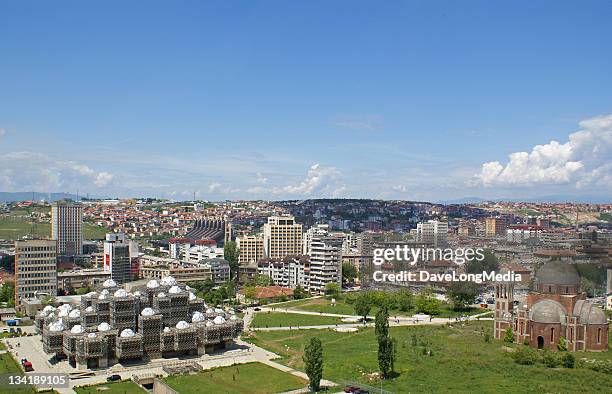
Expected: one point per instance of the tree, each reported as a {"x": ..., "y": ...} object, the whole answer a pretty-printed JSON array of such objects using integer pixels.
[
  {"x": 349, "y": 273},
  {"x": 463, "y": 294},
  {"x": 509, "y": 335},
  {"x": 250, "y": 292},
  {"x": 7, "y": 293},
  {"x": 8, "y": 263},
  {"x": 488, "y": 263},
  {"x": 386, "y": 352},
  {"x": 263, "y": 280},
  {"x": 313, "y": 360},
  {"x": 230, "y": 254},
  {"x": 362, "y": 306},
  {"x": 332, "y": 290},
  {"x": 405, "y": 300},
  {"x": 427, "y": 303},
  {"x": 299, "y": 292},
  {"x": 562, "y": 344}
]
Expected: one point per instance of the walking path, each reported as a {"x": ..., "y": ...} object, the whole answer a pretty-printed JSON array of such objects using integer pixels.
[{"x": 393, "y": 321}]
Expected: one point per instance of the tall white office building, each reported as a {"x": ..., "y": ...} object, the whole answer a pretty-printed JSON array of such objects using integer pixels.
[
  {"x": 282, "y": 237},
  {"x": 117, "y": 259},
  {"x": 433, "y": 232},
  {"x": 35, "y": 269},
  {"x": 67, "y": 227}
]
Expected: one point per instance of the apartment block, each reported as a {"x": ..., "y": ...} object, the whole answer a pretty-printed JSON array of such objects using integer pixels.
[
  {"x": 35, "y": 269},
  {"x": 325, "y": 251},
  {"x": 67, "y": 227},
  {"x": 496, "y": 226}
]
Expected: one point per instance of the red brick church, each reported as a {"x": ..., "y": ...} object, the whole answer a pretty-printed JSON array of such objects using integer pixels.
[{"x": 555, "y": 308}]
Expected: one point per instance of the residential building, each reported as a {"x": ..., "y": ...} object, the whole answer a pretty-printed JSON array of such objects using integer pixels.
[
  {"x": 282, "y": 237},
  {"x": 325, "y": 251},
  {"x": 67, "y": 227},
  {"x": 288, "y": 272},
  {"x": 496, "y": 226},
  {"x": 35, "y": 269}
]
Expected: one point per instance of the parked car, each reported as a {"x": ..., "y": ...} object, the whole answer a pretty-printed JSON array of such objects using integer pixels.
[
  {"x": 257, "y": 309},
  {"x": 113, "y": 378}
]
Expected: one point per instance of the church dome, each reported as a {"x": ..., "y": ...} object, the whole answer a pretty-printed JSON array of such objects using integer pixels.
[
  {"x": 589, "y": 313},
  {"x": 558, "y": 273},
  {"x": 547, "y": 311}
]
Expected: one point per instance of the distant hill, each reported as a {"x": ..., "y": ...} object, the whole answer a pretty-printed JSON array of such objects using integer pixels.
[
  {"x": 28, "y": 196},
  {"x": 544, "y": 199}
]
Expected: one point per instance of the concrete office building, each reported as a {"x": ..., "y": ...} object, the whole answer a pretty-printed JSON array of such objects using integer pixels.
[
  {"x": 35, "y": 269},
  {"x": 433, "y": 232},
  {"x": 117, "y": 259},
  {"x": 251, "y": 249},
  {"x": 67, "y": 227},
  {"x": 282, "y": 237}
]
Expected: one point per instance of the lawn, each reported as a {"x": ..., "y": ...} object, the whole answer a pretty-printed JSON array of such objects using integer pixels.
[
  {"x": 123, "y": 387},
  {"x": 461, "y": 361},
  {"x": 15, "y": 227},
  {"x": 9, "y": 366},
  {"x": 277, "y": 319},
  {"x": 252, "y": 378},
  {"x": 323, "y": 305}
]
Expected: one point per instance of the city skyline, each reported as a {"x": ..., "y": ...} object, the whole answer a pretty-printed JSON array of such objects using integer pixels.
[{"x": 278, "y": 101}]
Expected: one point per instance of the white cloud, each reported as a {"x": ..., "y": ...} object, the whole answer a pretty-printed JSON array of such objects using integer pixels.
[
  {"x": 586, "y": 159},
  {"x": 103, "y": 178},
  {"x": 320, "y": 179},
  {"x": 25, "y": 171},
  {"x": 261, "y": 178},
  {"x": 2, "y": 132}
]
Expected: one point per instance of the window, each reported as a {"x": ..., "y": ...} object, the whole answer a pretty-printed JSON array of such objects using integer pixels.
[
  {"x": 552, "y": 335},
  {"x": 599, "y": 335}
]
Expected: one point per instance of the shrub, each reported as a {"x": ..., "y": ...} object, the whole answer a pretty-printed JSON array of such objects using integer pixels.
[
  {"x": 549, "y": 359},
  {"x": 600, "y": 366},
  {"x": 525, "y": 356},
  {"x": 509, "y": 337},
  {"x": 568, "y": 360},
  {"x": 562, "y": 344}
]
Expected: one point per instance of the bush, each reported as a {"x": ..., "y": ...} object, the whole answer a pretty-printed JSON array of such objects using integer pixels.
[
  {"x": 562, "y": 344},
  {"x": 525, "y": 356},
  {"x": 509, "y": 337},
  {"x": 599, "y": 366},
  {"x": 568, "y": 360},
  {"x": 549, "y": 359}
]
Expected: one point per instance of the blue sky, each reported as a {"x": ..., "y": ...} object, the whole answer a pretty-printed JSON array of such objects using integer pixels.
[{"x": 277, "y": 99}]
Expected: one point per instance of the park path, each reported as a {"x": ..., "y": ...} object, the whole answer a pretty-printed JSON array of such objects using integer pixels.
[{"x": 393, "y": 321}]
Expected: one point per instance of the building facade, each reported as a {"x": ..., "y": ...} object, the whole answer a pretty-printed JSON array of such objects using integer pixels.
[
  {"x": 35, "y": 269},
  {"x": 117, "y": 259},
  {"x": 433, "y": 232},
  {"x": 282, "y": 237},
  {"x": 67, "y": 227},
  {"x": 555, "y": 309},
  {"x": 251, "y": 249}
]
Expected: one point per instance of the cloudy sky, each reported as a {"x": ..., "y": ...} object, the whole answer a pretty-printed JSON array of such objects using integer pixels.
[{"x": 275, "y": 99}]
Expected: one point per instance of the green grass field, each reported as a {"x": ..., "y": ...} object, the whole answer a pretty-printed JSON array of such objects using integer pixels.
[
  {"x": 278, "y": 319},
  {"x": 252, "y": 378},
  {"x": 323, "y": 305},
  {"x": 9, "y": 366},
  {"x": 12, "y": 227},
  {"x": 461, "y": 362},
  {"x": 123, "y": 387}
]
